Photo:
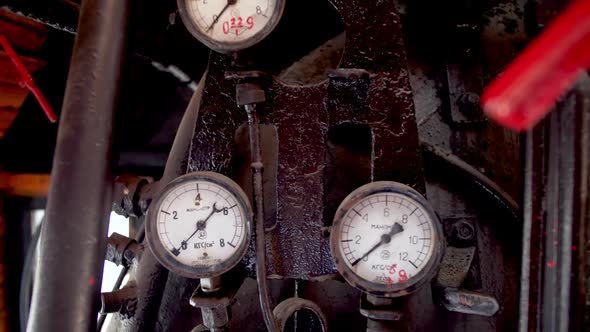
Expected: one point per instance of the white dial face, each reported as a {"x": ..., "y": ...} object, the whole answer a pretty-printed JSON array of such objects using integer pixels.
[
  {"x": 387, "y": 238},
  {"x": 231, "y": 21},
  {"x": 201, "y": 224}
]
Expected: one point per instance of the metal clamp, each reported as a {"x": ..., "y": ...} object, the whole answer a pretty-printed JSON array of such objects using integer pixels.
[
  {"x": 123, "y": 301},
  {"x": 131, "y": 195},
  {"x": 121, "y": 250}
]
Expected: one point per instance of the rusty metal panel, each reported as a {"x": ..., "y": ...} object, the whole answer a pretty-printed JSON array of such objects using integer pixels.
[{"x": 371, "y": 88}]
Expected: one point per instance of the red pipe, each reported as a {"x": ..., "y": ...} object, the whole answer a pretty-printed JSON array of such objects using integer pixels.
[
  {"x": 26, "y": 80},
  {"x": 525, "y": 92}
]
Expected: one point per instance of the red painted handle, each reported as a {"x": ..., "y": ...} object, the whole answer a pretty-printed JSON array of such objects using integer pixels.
[
  {"x": 26, "y": 79},
  {"x": 525, "y": 92}
]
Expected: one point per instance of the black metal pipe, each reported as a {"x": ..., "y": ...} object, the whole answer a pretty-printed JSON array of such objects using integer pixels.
[
  {"x": 553, "y": 276},
  {"x": 436, "y": 154},
  {"x": 257, "y": 170},
  {"x": 73, "y": 241},
  {"x": 151, "y": 276}
]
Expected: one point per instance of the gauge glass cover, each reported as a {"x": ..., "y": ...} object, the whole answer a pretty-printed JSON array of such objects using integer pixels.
[
  {"x": 386, "y": 239},
  {"x": 199, "y": 227},
  {"x": 230, "y": 25}
]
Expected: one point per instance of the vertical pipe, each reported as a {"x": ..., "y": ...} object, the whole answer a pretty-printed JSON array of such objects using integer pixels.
[
  {"x": 153, "y": 286},
  {"x": 528, "y": 210},
  {"x": 555, "y": 214},
  {"x": 73, "y": 241},
  {"x": 257, "y": 172}
]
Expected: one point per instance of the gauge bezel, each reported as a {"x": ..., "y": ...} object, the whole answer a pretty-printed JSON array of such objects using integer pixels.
[
  {"x": 396, "y": 290},
  {"x": 166, "y": 258},
  {"x": 229, "y": 47}
]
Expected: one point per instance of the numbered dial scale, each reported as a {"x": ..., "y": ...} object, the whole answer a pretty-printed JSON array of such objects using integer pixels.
[
  {"x": 230, "y": 25},
  {"x": 386, "y": 239},
  {"x": 199, "y": 226}
]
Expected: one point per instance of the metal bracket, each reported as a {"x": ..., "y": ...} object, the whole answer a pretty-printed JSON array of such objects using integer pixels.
[
  {"x": 464, "y": 78},
  {"x": 467, "y": 302},
  {"x": 215, "y": 306}
]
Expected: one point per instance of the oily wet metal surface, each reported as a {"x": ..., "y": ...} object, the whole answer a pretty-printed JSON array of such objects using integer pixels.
[{"x": 376, "y": 93}]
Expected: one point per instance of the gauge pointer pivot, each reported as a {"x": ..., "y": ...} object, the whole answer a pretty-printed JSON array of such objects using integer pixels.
[
  {"x": 201, "y": 225},
  {"x": 385, "y": 238}
]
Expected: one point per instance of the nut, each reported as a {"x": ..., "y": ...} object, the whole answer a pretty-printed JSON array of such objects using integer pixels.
[{"x": 463, "y": 231}]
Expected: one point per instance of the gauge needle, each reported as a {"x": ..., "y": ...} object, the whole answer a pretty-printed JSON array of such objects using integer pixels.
[
  {"x": 385, "y": 238},
  {"x": 229, "y": 3},
  {"x": 201, "y": 225}
]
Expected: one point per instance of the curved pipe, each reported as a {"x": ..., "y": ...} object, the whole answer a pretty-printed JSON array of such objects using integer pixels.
[
  {"x": 477, "y": 177},
  {"x": 258, "y": 195},
  {"x": 66, "y": 296},
  {"x": 151, "y": 276}
]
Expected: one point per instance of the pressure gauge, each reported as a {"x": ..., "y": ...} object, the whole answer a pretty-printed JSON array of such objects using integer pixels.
[
  {"x": 386, "y": 239},
  {"x": 230, "y": 25},
  {"x": 199, "y": 226}
]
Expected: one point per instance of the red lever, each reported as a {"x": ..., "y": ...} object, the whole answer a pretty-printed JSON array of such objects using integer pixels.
[
  {"x": 26, "y": 80},
  {"x": 522, "y": 95}
]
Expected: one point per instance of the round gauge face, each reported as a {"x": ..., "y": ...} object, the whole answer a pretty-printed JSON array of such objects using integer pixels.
[
  {"x": 386, "y": 239},
  {"x": 200, "y": 225},
  {"x": 230, "y": 25}
]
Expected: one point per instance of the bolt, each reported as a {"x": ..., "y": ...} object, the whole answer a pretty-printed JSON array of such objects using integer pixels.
[
  {"x": 469, "y": 103},
  {"x": 463, "y": 231}
]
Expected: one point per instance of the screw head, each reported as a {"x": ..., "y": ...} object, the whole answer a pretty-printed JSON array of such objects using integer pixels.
[{"x": 463, "y": 231}]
